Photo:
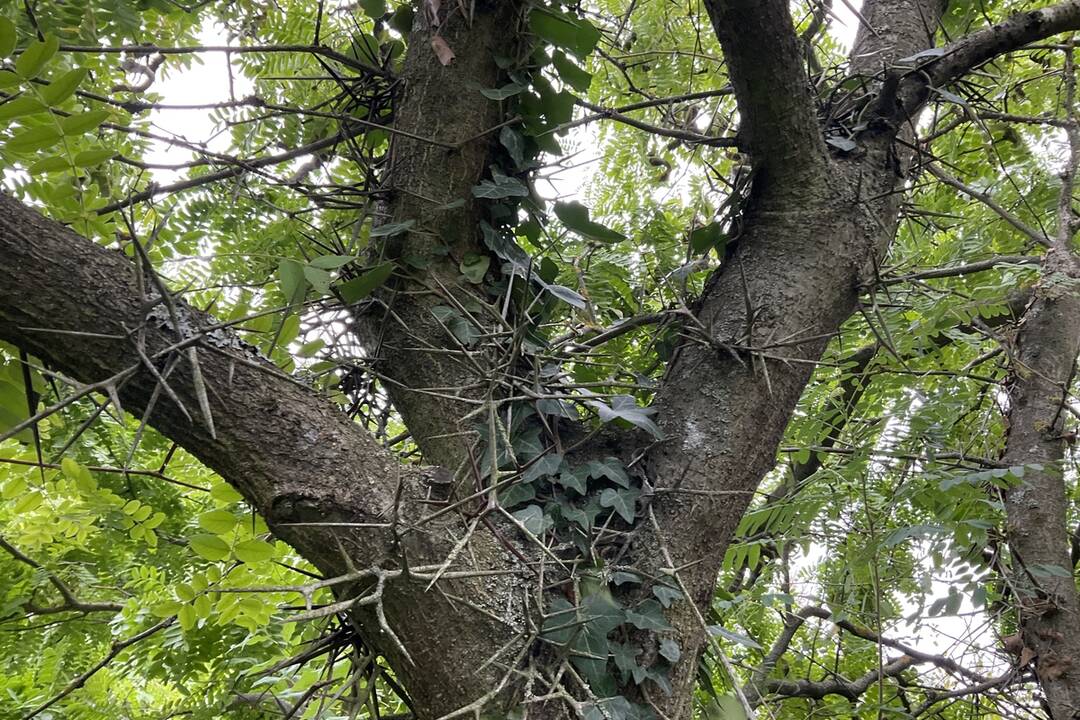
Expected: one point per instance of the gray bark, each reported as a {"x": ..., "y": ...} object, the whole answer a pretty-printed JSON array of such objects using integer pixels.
[{"x": 816, "y": 227}]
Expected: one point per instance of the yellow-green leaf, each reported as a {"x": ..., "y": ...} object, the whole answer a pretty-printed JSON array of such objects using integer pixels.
[
  {"x": 33, "y": 59},
  {"x": 88, "y": 158},
  {"x": 218, "y": 522},
  {"x": 21, "y": 106},
  {"x": 210, "y": 547},
  {"x": 253, "y": 551},
  {"x": 33, "y": 139},
  {"x": 79, "y": 123},
  {"x": 64, "y": 86}
]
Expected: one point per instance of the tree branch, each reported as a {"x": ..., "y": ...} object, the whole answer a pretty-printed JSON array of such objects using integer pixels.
[{"x": 764, "y": 60}]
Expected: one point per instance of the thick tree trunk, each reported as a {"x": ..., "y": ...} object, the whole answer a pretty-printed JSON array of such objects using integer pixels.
[
  {"x": 814, "y": 231},
  {"x": 1043, "y": 362}
]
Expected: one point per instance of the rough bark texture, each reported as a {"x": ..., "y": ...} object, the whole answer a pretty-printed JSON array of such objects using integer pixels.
[
  {"x": 1043, "y": 363},
  {"x": 815, "y": 228},
  {"x": 291, "y": 453},
  {"x": 418, "y": 356}
]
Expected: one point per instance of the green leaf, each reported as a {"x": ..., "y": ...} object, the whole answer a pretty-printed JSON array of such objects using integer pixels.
[
  {"x": 575, "y": 217},
  {"x": 567, "y": 295},
  {"x": 570, "y": 73},
  {"x": 707, "y": 237},
  {"x": 186, "y": 617},
  {"x": 373, "y": 8},
  {"x": 217, "y": 522},
  {"x": 499, "y": 187},
  {"x": 225, "y": 493},
  {"x": 733, "y": 637},
  {"x": 7, "y": 37},
  {"x": 55, "y": 163},
  {"x": 8, "y": 79},
  {"x": 391, "y": 229},
  {"x": 506, "y": 91},
  {"x": 669, "y": 649},
  {"x": 64, "y": 86},
  {"x": 79, "y": 123},
  {"x": 648, "y": 616},
  {"x": 331, "y": 262},
  {"x": 573, "y": 34},
  {"x": 359, "y": 288},
  {"x": 622, "y": 501},
  {"x": 253, "y": 551},
  {"x": 33, "y": 59},
  {"x": 33, "y": 139},
  {"x": 294, "y": 285},
  {"x": 474, "y": 267},
  {"x": 210, "y": 547},
  {"x": 624, "y": 407},
  {"x": 666, "y": 594},
  {"x": 318, "y": 278},
  {"x": 21, "y": 106},
  {"x": 574, "y": 481},
  {"x": 544, "y": 466},
  {"x": 534, "y": 520},
  {"x": 89, "y": 158}
]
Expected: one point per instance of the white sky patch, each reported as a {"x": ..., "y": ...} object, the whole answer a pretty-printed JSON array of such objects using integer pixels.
[{"x": 200, "y": 84}]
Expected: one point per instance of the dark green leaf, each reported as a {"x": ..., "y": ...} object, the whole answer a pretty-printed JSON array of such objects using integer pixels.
[
  {"x": 359, "y": 288},
  {"x": 506, "y": 91},
  {"x": 474, "y": 267},
  {"x": 575, "y": 217},
  {"x": 622, "y": 501},
  {"x": 573, "y": 34},
  {"x": 648, "y": 616},
  {"x": 571, "y": 74},
  {"x": 7, "y": 37}
]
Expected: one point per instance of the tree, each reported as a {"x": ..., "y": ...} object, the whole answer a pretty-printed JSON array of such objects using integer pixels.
[{"x": 506, "y": 446}]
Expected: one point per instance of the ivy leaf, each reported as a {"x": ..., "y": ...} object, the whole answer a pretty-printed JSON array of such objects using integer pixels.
[
  {"x": 558, "y": 408},
  {"x": 500, "y": 186},
  {"x": 391, "y": 229},
  {"x": 574, "y": 481},
  {"x": 609, "y": 468},
  {"x": 534, "y": 520},
  {"x": 648, "y": 616},
  {"x": 575, "y": 216},
  {"x": 570, "y": 73},
  {"x": 474, "y": 267},
  {"x": 506, "y": 91},
  {"x": 669, "y": 649},
  {"x": 547, "y": 465},
  {"x": 514, "y": 143},
  {"x": 624, "y": 407},
  {"x": 666, "y": 594},
  {"x": 623, "y": 502},
  {"x": 573, "y": 34},
  {"x": 516, "y": 494},
  {"x": 359, "y": 288}
]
